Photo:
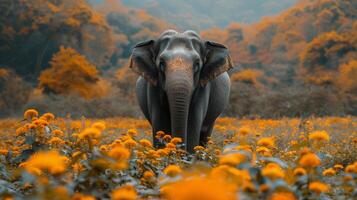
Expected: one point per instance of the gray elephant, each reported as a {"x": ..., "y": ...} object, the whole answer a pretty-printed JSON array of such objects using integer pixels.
[{"x": 183, "y": 85}]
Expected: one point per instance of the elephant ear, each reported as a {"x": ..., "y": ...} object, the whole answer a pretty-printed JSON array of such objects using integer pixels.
[
  {"x": 217, "y": 61},
  {"x": 141, "y": 61}
]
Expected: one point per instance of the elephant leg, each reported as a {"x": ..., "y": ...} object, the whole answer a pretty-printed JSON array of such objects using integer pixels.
[
  {"x": 206, "y": 131},
  {"x": 159, "y": 113}
]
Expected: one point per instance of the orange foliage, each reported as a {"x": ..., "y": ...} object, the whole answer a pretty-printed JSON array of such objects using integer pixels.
[
  {"x": 249, "y": 76},
  {"x": 347, "y": 79},
  {"x": 70, "y": 73}
]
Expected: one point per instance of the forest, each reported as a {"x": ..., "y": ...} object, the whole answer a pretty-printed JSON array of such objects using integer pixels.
[{"x": 69, "y": 56}]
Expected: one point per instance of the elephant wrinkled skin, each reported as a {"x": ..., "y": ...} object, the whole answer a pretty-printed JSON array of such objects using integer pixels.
[{"x": 183, "y": 85}]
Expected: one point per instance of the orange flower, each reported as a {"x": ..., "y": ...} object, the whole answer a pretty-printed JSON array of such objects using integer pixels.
[
  {"x": 132, "y": 132},
  {"x": 172, "y": 170},
  {"x": 318, "y": 187},
  {"x": 51, "y": 161},
  {"x": 282, "y": 196},
  {"x": 299, "y": 171},
  {"x": 329, "y": 172},
  {"x": 49, "y": 117},
  {"x": 130, "y": 143},
  {"x": 89, "y": 133},
  {"x": 244, "y": 131},
  {"x": 273, "y": 171},
  {"x": 198, "y": 148},
  {"x": 266, "y": 142},
  {"x": 232, "y": 159},
  {"x": 319, "y": 136},
  {"x": 30, "y": 114},
  {"x": 310, "y": 160},
  {"x": 99, "y": 125},
  {"x": 198, "y": 188},
  {"x": 145, "y": 143},
  {"x": 57, "y": 132},
  {"x": 176, "y": 140},
  {"x": 127, "y": 192},
  {"x": 148, "y": 174}
]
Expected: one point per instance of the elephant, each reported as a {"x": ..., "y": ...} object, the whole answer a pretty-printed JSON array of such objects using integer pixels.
[{"x": 183, "y": 84}]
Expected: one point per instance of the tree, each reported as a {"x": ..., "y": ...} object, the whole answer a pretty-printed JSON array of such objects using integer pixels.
[{"x": 72, "y": 73}]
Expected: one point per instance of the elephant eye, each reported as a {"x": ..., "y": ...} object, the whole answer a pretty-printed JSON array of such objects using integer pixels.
[
  {"x": 162, "y": 65},
  {"x": 196, "y": 66}
]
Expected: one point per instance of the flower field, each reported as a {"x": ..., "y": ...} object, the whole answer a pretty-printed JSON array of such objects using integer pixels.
[{"x": 44, "y": 157}]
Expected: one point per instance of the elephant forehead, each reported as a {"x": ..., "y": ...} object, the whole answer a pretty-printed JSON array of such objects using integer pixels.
[{"x": 179, "y": 63}]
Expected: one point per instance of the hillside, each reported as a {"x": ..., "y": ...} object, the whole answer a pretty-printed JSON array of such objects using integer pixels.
[{"x": 201, "y": 14}]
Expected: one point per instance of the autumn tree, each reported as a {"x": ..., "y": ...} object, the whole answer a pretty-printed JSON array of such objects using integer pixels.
[
  {"x": 72, "y": 73},
  {"x": 32, "y": 30}
]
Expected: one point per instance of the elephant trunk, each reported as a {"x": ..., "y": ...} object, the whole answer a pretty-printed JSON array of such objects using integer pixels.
[{"x": 179, "y": 90}]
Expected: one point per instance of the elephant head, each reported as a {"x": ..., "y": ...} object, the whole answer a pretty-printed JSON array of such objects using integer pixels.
[{"x": 179, "y": 63}]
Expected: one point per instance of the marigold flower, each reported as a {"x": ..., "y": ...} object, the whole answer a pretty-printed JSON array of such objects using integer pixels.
[
  {"x": 266, "y": 142},
  {"x": 232, "y": 159},
  {"x": 127, "y": 192},
  {"x": 318, "y": 187},
  {"x": 119, "y": 153},
  {"x": 282, "y": 196},
  {"x": 338, "y": 167},
  {"x": 244, "y": 131},
  {"x": 170, "y": 146},
  {"x": 176, "y": 140},
  {"x": 148, "y": 174},
  {"x": 4, "y": 152},
  {"x": 103, "y": 148},
  {"x": 130, "y": 143},
  {"x": 167, "y": 138},
  {"x": 56, "y": 141},
  {"x": 132, "y": 132},
  {"x": 159, "y": 134},
  {"x": 89, "y": 133},
  {"x": 51, "y": 161},
  {"x": 310, "y": 160},
  {"x": 198, "y": 188},
  {"x": 163, "y": 152},
  {"x": 329, "y": 172},
  {"x": 172, "y": 170},
  {"x": 49, "y": 117},
  {"x": 352, "y": 168},
  {"x": 299, "y": 171},
  {"x": 262, "y": 150},
  {"x": 79, "y": 196},
  {"x": 243, "y": 147},
  {"x": 230, "y": 174},
  {"x": 145, "y": 143},
  {"x": 30, "y": 114},
  {"x": 57, "y": 132},
  {"x": 198, "y": 148},
  {"x": 273, "y": 171},
  {"x": 319, "y": 136},
  {"x": 21, "y": 131},
  {"x": 99, "y": 125}
]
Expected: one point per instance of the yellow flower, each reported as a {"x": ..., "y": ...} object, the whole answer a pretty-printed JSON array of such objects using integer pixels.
[
  {"x": 273, "y": 171},
  {"x": 57, "y": 132},
  {"x": 230, "y": 174},
  {"x": 170, "y": 146},
  {"x": 92, "y": 133},
  {"x": 49, "y": 117},
  {"x": 145, "y": 143},
  {"x": 232, "y": 159},
  {"x": 282, "y": 196},
  {"x": 198, "y": 148},
  {"x": 198, "y": 188},
  {"x": 127, "y": 192},
  {"x": 4, "y": 152},
  {"x": 318, "y": 187},
  {"x": 99, "y": 125},
  {"x": 266, "y": 142},
  {"x": 319, "y": 136},
  {"x": 130, "y": 143},
  {"x": 262, "y": 150},
  {"x": 329, "y": 172},
  {"x": 172, "y": 170},
  {"x": 132, "y": 132},
  {"x": 79, "y": 196},
  {"x": 299, "y": 171},
  {"x": 119, "y": 153},
  {"x": 159, "y": 134},
  {"x": 310, "y": 160},
  {"x": 176, "y": 140},
  {"x": 148, "y": 174},
  {"x": 56, "y": 141},
  {"x": 352, "y": 168},
  {"x": 30, "y": 114},
  {"x": 244, "y": 131},
  {"x": 338, "y": 167},
  {"x": 51, "y": 161}
]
